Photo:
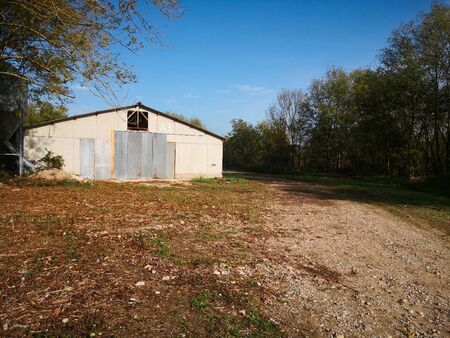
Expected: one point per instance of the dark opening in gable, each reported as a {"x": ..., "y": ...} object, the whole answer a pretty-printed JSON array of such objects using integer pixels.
[{"x": 137, "y": 120}]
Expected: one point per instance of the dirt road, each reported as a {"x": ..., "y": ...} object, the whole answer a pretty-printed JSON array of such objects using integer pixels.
[{"x": 338, "y": 267}]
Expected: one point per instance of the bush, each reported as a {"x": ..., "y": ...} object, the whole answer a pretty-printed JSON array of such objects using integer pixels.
[{"x": 50, "y": 161}]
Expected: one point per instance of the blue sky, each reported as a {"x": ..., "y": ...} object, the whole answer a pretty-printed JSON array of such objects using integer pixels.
[{"x": 228, "y": 59}]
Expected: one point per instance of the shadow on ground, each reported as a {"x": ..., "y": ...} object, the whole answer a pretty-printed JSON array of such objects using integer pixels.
[
  {"x": 341, "y": 190},
  {"x": 431, "y": 208}
]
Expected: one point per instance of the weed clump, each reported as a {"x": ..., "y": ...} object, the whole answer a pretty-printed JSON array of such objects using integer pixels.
[{"x": 219, "y": 180}]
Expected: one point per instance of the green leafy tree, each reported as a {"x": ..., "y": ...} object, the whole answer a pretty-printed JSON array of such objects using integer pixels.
[
  {"x": 376, "y": 138},
  {"x": 331, "y": 101},
  {"x": 197, "y": 122},
  {"x": 48, "y": 44},
  {"x": 242, "y": 146},
  {"x": 274, "y": 148},
  {"x": 416, "y": 63},
  {"x": 194, "y": 120},
  {"x": 392, "y": 120},
  {"x": 40, "y": 111}
]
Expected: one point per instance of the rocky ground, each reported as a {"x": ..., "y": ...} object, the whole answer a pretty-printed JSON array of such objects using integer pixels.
[
  {"x": 270, "y": 258},
  {"x": 346, "y": 268}
]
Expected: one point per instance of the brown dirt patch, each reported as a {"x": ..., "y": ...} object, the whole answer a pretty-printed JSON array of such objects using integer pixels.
[
  {"x": 214, "y": 259},
  {"x": 129, "y": 259}
]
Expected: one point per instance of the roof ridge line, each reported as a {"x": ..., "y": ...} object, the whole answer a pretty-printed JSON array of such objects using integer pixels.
[{"x": 137, "y": 104}]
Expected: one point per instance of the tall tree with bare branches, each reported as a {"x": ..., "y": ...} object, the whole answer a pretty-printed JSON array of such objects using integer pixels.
[{"x": 291, "y": 113}]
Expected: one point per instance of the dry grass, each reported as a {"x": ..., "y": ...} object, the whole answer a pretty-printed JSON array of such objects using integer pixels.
[{"x": 72, "y": 253}]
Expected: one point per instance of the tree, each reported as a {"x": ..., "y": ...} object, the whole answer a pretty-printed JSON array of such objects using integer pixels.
[
  {"x": 416, "y": 62},
  {"x": 331, "y": 102},
  {"x": 291, "y": 113},
  {"x": 48, "y": 44},
  {"x": 241, "y": 148},
  {"x": 376, "y": 139},
  {"x": 40, "y": 111},
  {"x": 264, "y": 147},
  {"x": 194, "y": 120},
  {"x": 197, "y": 122},
  {"x": 274, "y": 148},
  {"x": 390, "y": 120}
]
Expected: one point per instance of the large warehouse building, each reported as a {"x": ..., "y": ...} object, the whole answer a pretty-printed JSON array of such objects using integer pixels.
[{"x": 133, "y": 142}]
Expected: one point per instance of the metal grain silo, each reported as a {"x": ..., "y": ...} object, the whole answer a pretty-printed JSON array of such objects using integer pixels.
[{"x": 13, "y": 102}]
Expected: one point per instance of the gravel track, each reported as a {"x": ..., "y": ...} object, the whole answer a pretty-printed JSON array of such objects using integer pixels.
[{"x": 337, "y": 267}]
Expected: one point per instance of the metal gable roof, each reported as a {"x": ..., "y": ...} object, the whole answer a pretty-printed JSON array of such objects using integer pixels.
[{"x": 134, "y": 106}]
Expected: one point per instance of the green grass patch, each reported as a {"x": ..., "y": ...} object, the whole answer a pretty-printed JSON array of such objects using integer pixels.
[
  {"x": 201, "y": 300},
  {"x": 231, "y": 184},
  {"x": 436, "y": 186},
  {"x": 47, "y": 223},
  {"x": 439, "y": 185},
  {"x": 419, "y": 200},
  {"x": 203, "y": 180},
  {"x": 197, "y": 261},
  {"x": 41, "y": 183},
  {"x": 72, "y": 244},
  {"x": 227, "y": 179},
  {"x": 263, "y": 325},
  {"x": 232, "y": 179},
  {"x": 425, "y": 202},
  {"x": 158, "y": 246},
  {"x": 161, "y": 247},
  {"x": 229, "y": 323},
  {"x": 176, "y": 197}
]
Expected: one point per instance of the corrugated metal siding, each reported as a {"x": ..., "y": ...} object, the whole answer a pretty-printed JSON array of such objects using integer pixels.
[
  {"x": 159, "y": 155},
  {"x": 87, "y": 158},
  {"x": 146, "y": 155},
  {"x": 139, "y": 155},
  {"x": 102, "y": 159},
  {"x": 120, "y": 154},
  {"x": 134, "y": 155},
  {"x": 170, "y": 160}
]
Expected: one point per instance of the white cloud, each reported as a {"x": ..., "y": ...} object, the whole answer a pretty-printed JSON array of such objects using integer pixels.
[
  {"x": 79, "y": 87},
  {"x": 189, "y": 95},
  {"x": 223, "y": 91},
  {"x": 171, "y": 100},
  {"x": 253, "y": 90}
]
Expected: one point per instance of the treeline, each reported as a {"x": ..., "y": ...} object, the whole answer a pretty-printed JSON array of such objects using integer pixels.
[{"x": 391, "y": 120}]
